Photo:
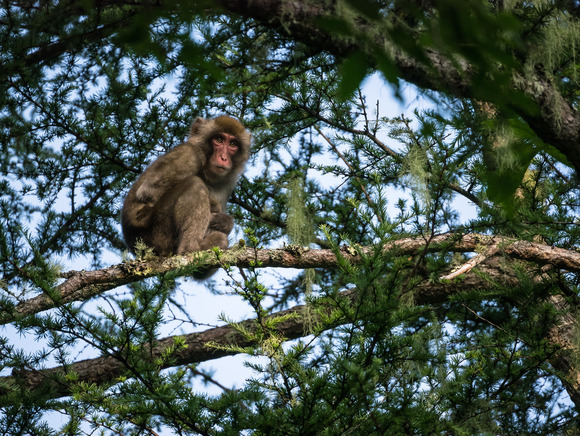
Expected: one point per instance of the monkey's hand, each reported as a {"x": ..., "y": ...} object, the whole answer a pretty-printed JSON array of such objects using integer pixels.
[{"x": 221, "y": 222}]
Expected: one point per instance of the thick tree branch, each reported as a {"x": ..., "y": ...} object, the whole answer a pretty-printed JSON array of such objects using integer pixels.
[
  {"x": 106, "y": 370},
  {"x": 83, "y": 285},
  {"x": 556, "y": 122},
  {"x": 563, "y": 335}
]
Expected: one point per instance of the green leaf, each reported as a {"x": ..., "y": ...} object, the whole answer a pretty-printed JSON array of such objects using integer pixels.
[
  {"x": 387, "y": 67},
  {"x": 353, "y": 70},
  {"x": 502, "y": 183},
  {"x": 335, "y": 25},
  {"x": 369, "y": 8}
]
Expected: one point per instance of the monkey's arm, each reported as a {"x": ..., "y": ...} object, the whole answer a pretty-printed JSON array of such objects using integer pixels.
[
  {"x": 221, "y": 222},
  {"x": 167, "y": 171}
]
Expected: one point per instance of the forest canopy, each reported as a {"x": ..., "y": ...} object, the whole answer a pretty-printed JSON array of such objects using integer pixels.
[{"x": 405, "y": 257}]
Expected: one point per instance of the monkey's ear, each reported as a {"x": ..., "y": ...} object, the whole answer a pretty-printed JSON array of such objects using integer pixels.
[{"x": 196, "y": 126}]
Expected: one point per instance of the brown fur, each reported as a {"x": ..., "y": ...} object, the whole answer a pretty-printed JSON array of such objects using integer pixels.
[{"x": 178, "y": 204}]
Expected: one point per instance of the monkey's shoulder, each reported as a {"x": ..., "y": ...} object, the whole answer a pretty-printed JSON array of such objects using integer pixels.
[{"x": 181, "y": 158}]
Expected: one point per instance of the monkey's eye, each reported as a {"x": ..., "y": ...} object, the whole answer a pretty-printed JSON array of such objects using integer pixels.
[
  {"x": 234, "y": 145},
  {"x": 219, "y": 139}
]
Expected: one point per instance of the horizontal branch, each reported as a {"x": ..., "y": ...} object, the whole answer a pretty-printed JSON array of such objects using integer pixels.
[
  {"x": 82, "y": 285},
  {"x": 107, "y": 370},
  {"x": 556, "y": 121}
]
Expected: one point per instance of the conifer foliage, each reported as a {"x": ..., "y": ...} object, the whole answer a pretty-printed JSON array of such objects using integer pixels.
[{"x": 392, "y": 271}]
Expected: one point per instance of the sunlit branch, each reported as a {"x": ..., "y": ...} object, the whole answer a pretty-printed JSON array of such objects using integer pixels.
[{"x": 83, "y": 285}]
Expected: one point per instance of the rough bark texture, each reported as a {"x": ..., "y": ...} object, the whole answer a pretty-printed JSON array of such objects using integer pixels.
[
  {"x": 562, "y": 335},
  {"x": 82, "y": 285},
  {"x": 106, "y": 370},
  {"x": 556, "y": 122}
]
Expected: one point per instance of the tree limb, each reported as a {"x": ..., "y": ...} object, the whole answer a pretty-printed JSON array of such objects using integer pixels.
[
  {"x": 554, "y": 119},
  {"x": 556, "y": 122},
  {"x": 83, "y": 285},
  {"x": 107, "y": 370}
]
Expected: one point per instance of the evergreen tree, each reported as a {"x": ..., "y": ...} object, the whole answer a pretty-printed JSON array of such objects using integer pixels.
[{"x": 395, "y": 274}]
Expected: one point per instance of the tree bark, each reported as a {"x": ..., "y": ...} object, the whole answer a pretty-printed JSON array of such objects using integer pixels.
[
  {"x": 555, "y": 121},
  {"x": 106, "y": 370},
  {"x": 83, "y": 285}
]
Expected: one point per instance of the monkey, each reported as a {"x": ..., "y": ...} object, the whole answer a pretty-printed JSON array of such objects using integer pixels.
[{"x": 178, "y": 204}]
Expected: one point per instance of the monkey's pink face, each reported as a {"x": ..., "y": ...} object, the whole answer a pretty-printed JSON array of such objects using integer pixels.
[{"x": 225, "y": 146}]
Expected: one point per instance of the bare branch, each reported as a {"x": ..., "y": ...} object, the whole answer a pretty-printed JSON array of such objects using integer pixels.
[{"x": 471, "y": 263}]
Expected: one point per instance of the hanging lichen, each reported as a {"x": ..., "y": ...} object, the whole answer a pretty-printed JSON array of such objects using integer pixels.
[
  {"x": 556, "y": 52},
  {"x": 415, "y": 172},
  {"x": 299, "y": 225}
]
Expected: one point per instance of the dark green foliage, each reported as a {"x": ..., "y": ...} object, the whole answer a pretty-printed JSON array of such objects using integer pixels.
[
  {"x": 90, "y": 93},
  {"x": 353, "y": 70}
]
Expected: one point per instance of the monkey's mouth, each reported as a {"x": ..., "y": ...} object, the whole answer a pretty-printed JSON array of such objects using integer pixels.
[{"x": 221, "y": 169}]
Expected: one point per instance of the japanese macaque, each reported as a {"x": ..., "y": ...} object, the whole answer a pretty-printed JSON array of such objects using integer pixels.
[{"x": 178, "y": 204}]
